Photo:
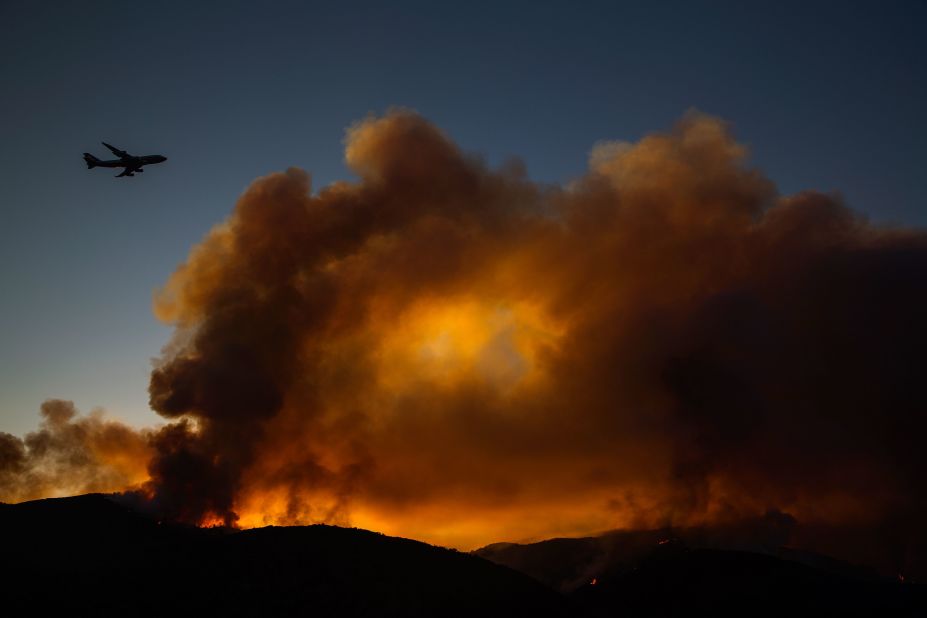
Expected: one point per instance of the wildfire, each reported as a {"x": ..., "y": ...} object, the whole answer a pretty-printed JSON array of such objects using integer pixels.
[
  {"x": 444, "y": 342},
  {"x": 212, "y": 521},
  {"x": 457, "y": 354}
]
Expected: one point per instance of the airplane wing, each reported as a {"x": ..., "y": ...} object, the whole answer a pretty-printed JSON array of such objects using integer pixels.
[
  {"x": 128, "y": 171},
  {"x": 122, "y": 154}
]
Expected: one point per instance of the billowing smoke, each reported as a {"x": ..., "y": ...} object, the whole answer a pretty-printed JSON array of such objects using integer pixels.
[
  {"x": 456, "y": 353},
  {"x": 70, "y": 454}
]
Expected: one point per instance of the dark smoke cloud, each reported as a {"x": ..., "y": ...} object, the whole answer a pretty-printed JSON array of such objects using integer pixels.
[{"x": 453, "y": 352}]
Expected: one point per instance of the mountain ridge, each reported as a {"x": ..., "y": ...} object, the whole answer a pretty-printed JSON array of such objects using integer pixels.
[
  {"x": 93, "y": 555},
  {"x": 62, "y": 550}
]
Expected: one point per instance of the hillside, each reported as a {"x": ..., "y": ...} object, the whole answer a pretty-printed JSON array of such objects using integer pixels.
[
  {"x": 90, "y": 556},
  {"x": 655, "y": 574}
]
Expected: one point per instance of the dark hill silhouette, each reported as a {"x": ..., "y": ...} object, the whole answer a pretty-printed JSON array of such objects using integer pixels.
[
  {"x": 674, "y": 580},
  {"x": 93, "y": 556},
  {"x": 655, "y": 573},
  {"x": 566, "y": 564},
  {"x": 89, "y": 555}
]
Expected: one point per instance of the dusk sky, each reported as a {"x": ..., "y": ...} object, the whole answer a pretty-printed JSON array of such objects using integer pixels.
[
  {"x": 827, "y": 95},
  {"x": 472, "y": 273}
]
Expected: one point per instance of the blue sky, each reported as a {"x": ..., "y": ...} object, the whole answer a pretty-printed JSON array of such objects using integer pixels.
[{"x": 828, "y": 95}]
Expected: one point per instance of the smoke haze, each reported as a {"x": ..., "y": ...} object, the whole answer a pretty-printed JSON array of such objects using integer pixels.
[
  {"x": 71, "y": 455},
  {"x": 458, "y": 354}
]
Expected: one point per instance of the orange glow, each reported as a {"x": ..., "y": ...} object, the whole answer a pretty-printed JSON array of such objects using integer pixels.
[
  {"x": 444, "y": 342},
  {"x": 450, "y": 352},
  {"x": 212, "y": 521}
]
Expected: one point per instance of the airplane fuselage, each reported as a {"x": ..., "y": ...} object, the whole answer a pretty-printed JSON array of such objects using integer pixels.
[{"x": 131, "y": 161}]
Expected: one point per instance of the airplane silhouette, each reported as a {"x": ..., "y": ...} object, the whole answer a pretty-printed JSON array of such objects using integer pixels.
[{"x": 130, "y": 163}]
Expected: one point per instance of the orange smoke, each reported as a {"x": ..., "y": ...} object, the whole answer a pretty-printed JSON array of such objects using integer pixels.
[
  {"x": 72, "y": 455},
  {"x": 454, "y": 353}
]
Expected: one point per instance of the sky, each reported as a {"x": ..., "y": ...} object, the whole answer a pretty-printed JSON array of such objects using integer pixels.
[{"x": 826, "y": 95}]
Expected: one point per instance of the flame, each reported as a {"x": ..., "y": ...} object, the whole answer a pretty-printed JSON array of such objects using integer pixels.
[{"x": 213, "y": 521}]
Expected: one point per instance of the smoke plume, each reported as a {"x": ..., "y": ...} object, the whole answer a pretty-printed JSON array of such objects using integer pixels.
[
  {"x": 71, "y": 455},
  {"x": 452, "y": 352}
]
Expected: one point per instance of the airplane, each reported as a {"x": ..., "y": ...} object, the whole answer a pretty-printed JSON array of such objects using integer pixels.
[{"x": 130, "y": 163}]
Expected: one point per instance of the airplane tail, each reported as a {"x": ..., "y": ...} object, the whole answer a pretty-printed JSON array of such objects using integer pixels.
[{"x": 90, "y": 160}]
